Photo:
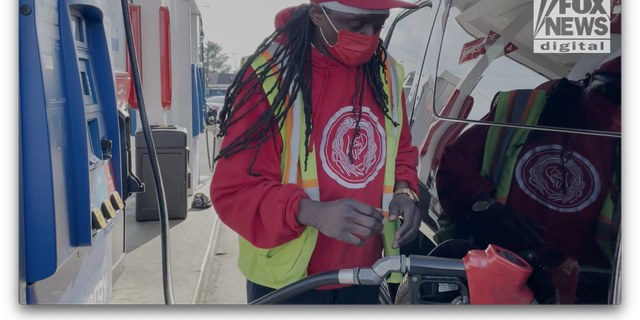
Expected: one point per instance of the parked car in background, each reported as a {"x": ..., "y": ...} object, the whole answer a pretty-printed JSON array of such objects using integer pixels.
[{"x": 215, "y": 105}]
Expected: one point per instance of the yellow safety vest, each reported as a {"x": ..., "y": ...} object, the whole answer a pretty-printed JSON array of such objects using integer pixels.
[
  {"x": 501, "y": 151},
  {"x": 286, "y": 264}
]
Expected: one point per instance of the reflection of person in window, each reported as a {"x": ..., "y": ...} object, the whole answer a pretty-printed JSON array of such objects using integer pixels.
[{"x": 560, "y": 183}]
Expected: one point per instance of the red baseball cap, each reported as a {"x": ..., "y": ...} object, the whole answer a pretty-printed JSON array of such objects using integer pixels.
[
  {"x": 613, "y": 66},
  {"x": 373, "y": 4},
  {"x": 609, "y": 76}
]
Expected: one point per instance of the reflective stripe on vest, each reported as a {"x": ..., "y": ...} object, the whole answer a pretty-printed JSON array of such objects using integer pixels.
[
  {"x": 503, "y": 146},
  {"x": 281, "y": 266},
  {"x": 608, "y": 225},
  {"x": 503, "y": 143}
]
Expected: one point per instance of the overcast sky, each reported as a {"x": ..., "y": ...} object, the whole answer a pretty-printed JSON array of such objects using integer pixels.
[{"x": 239, "y": 26}]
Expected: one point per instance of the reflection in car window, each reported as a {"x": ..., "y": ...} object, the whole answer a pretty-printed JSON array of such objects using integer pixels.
[
  {"x": 405, "y": 46},
  {"x": 503, "y": 74}
]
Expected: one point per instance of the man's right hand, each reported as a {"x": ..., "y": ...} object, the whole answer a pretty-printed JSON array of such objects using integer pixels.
[{"x": 343, "y": 220}]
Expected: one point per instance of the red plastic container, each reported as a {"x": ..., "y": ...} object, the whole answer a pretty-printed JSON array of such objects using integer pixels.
[{"x": 497, "y": 276}]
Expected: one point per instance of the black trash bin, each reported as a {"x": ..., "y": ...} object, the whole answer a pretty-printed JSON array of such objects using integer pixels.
[{"x": 173, "y": 159}]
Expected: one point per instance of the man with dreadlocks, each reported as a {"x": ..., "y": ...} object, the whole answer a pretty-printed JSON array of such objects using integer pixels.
[
  {"x": 517, "y": 188},
  {"x": 317, "y": 167}
]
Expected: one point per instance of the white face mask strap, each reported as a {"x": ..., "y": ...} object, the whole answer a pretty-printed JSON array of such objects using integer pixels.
[{"x": 322, "y": 32}]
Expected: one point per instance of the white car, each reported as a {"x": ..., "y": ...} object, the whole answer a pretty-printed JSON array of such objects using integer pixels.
[{"x": 216, "y": 102}]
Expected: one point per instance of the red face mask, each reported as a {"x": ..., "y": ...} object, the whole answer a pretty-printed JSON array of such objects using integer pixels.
[{"x": 352, "y": 49}]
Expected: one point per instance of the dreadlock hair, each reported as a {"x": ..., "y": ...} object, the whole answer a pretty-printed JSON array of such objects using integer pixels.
[
  {"x": 563, "y": 106},
  {"x": 293, "y": 59}
]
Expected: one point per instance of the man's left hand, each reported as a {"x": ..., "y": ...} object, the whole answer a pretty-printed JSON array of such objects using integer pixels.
[{"x": 403, "y": 206}]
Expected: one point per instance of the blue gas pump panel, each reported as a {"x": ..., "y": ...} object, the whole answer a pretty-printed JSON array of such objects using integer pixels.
[
  {"x": 96, "y": 89},
  {"x": 198, "y": 101}
]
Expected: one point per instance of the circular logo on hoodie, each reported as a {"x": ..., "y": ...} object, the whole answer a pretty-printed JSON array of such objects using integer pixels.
[
  {"x": 369, "y": 148},
  {"x": 565, "y": 188}
]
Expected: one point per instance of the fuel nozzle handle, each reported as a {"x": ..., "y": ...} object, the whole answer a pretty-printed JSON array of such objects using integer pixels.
[{"x": 378, "y": 272}]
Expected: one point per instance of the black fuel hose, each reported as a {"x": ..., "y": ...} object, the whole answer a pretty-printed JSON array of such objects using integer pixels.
[
  {"x": 153, "y": 158},
  {"x": 211, "y": 155},
  {"x": 302, "y": 286}
]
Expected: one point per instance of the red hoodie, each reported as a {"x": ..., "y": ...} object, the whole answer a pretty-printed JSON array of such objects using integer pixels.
[
  {"x": 263, "y": 211},
  {"x": 536, "y": 186}
]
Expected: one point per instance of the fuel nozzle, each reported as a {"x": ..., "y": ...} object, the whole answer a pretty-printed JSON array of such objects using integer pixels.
[{"x": 378, "y": 272}]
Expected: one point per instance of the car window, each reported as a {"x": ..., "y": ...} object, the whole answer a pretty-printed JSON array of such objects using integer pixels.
[
  {"x": 503, "y": 74},
  {"x": 406, "y": 45}
]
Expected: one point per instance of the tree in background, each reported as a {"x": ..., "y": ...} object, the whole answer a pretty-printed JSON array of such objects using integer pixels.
[{"x": 214, "y": 60}]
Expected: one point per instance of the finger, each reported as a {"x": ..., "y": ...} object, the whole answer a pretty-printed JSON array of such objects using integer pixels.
[
  {"x": 394, "y": 211},
  {"x": 366, "y": 209},
  {"x": 408, "y": 214},
  {"x": 417, "y": 222},
  {"x": 368, "y": 222},
  {"x": 359, "y": 230},
  {"x": 378, "y": 214},
  {"x": 407, "y": 238},
  {"x": 381, "y": 213},
  {"x": 383, "y": 220},
  {"x": 409, "y": 229}
]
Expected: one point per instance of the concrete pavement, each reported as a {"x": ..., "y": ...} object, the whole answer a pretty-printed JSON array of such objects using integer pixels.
[
  {"x": 222, "y": 281},
  {"x": 203, "y": 257}
]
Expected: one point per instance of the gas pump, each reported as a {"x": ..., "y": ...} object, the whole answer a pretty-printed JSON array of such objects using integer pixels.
[
  {"x": 74, "y": 170},
  {"x": 75, "y": 151}
]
